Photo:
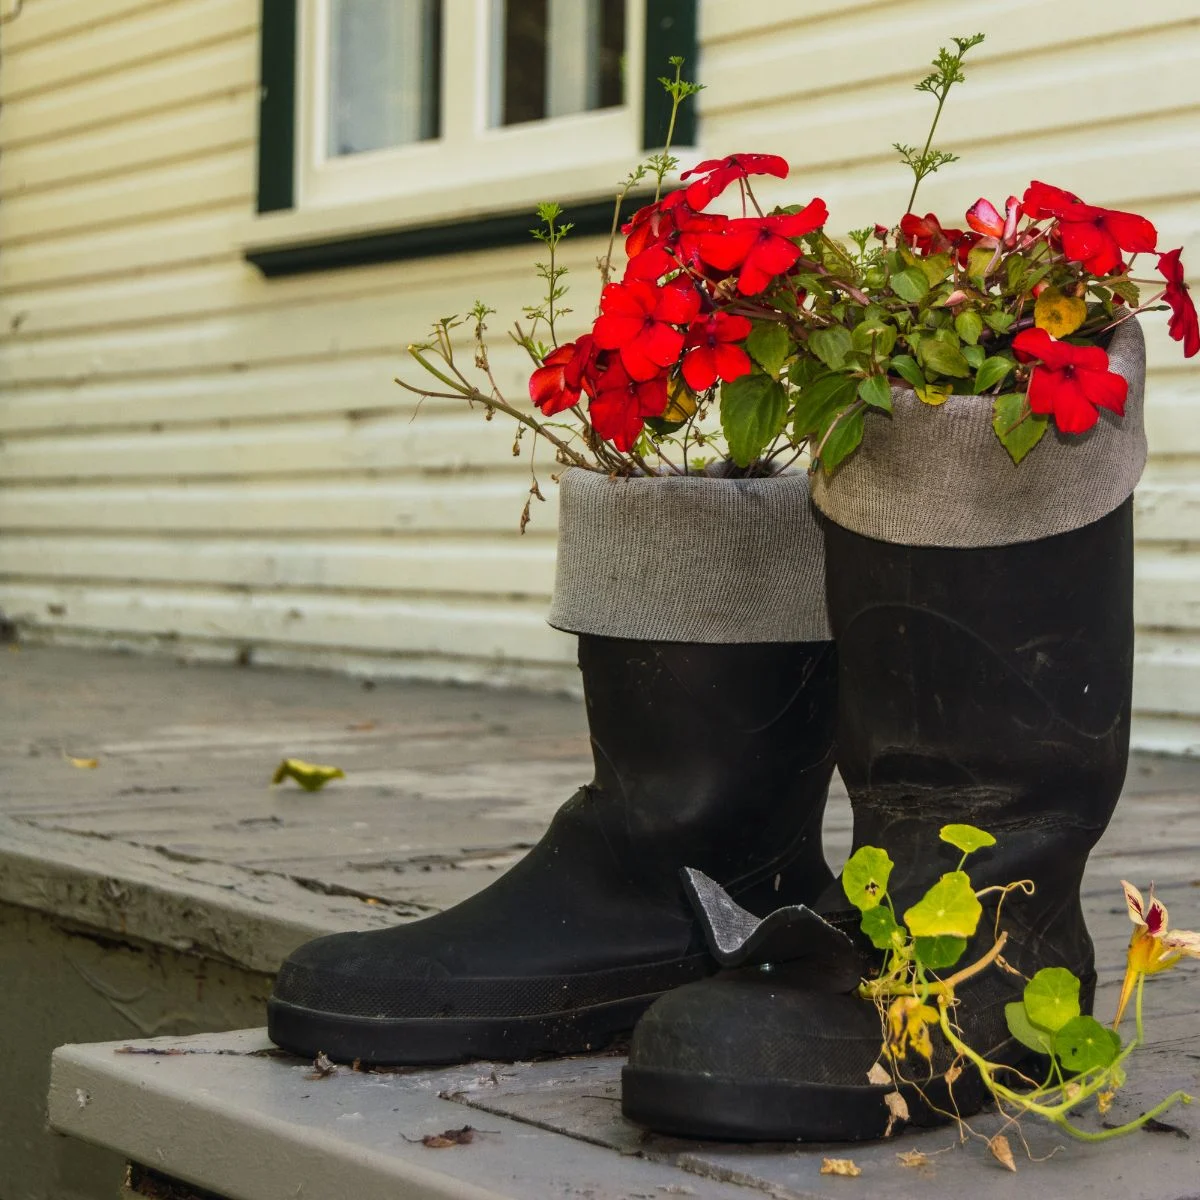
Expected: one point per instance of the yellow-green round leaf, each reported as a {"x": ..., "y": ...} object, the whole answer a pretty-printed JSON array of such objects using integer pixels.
[
  {"x": 865, "y": 876},
  {"x": 1083, "y": 1044},
  {"x": 1024, "y": 1031},
  {"x": 937, "y": 953},
  {"x": 949, "y": 909},
  {"x": 1052, "y": 998},
  {"x": 966, "y": 838},
  {"x": 880, "y": 926}
]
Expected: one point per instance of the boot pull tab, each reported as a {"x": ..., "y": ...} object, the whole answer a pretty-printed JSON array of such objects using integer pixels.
[{"x": 795, "y": 934}]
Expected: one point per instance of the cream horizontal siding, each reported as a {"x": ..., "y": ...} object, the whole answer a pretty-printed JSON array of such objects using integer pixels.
[{"x": 197, "y": 459}]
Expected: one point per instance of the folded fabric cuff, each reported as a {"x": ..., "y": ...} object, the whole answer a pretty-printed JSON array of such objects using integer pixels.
[
  {"x": 939, "y": 476},
  {"x": 689, "y": 559}
]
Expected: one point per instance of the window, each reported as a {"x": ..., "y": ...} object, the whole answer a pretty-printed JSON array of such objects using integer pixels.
[{"x": 385, "y": 116}]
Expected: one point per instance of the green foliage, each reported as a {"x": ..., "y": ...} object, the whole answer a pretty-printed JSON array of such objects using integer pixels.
[
  {"x": 880, "y": 925},
  {"x": 840, "y": 439},
  {"x": 818, "y": 402},
  {"x": 831, "y": 346},
  {"x": 876, "y": 391},
  {"x": 1083, "y": 1044},
  {"x": 1052, "y": 998},
  {"x": 865, "y": 877},
  {"x": 769, "y": 345},
  {"x": 949, "y": 909},
  {"x": 753, "y": 410},
  {"x": 967, "y": 838},
  {"x": 1018, "y": 429}
]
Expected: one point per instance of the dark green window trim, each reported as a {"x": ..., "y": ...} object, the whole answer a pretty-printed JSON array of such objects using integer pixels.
[{"x": 670, "y": 30}]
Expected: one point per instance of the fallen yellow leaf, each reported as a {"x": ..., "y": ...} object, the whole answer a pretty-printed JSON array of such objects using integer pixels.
[
  {"x": 934, "y": 393},
  {"x": 913, "y": 1158},
  {"x": 84, "y": 764},
  {"x": 1002, "y": 1151},
  {"x": 310, "y": 776},
  {"x": 840, "y": 1166}
]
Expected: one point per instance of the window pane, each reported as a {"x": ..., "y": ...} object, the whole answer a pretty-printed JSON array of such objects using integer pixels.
[
  {"x": 384, "y": 73},
  {"x": 556, "y": 57}
]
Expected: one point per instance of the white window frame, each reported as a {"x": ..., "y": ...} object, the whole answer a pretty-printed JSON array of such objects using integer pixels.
[{"x": 470, "y": 168}]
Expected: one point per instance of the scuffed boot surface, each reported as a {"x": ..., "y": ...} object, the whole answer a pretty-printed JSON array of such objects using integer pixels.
[
  {"x": 718, "y": 756},
  {"x": 989, "y": 687}
]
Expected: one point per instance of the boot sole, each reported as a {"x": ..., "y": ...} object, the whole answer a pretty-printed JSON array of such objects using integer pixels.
[
  {"x": 684, "y": 1104},
  {"x": 441, "y": 1041}
]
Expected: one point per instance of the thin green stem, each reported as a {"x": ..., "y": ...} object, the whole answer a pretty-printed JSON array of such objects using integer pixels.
[{"x": 925, "y": 152}]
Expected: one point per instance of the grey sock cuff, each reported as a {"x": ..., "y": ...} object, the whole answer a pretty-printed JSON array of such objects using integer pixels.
[
  {"x": 940, "y": 477},
  {"x": 689, "y": 559}
]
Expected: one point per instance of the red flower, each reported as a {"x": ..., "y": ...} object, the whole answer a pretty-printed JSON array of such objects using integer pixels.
[
  {"x": 653, "y": 224},
  {"x": 721, "y": 172},
  {"x": 556, "y": 385},
  {"x": 638, "y": 320},
  {"x": 1069, "y": 381},
  {"x": 710, "y": 353},
  {"x": 1182, "y": 326},
  {"x": 1092, "y": 236},
  {"x": 759, "y": 248},
  {"x": 621, "y": 405},
  {"x": 996, "y": 229},
  {"x": 927, "y": 234}
]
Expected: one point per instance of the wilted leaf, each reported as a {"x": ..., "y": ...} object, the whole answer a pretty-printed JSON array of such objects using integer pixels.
[
  {"x": 681, "y": 403},
  {"x": 840, "y": 1166},
  {"x": 1083, "y": 1044},
  {"x": 966, "y": 838},
  {"x": 865, "y": 876},
  {"x": 913, "y": 1158},
  {"x": 1057, "y": 314},
  {"x": 879, "y": 1075},
  {"x": 1052, "y": 998},
  {"x": 949, "y": 908},
  {"x": 322, "y": 1067},
  {"x": 310, "y": 776},
  {"x": 84, "y": 764},
  {"x": 1104, "y": 1101},
  {"x": 1002, "y": 1151},
  {"x": 897, "y": 1108},
  {"x": 934, "y": 393},
  {"x": 449, "y": 1137}
]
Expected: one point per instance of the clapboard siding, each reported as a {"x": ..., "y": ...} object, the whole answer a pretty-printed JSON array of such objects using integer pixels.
[{"x": 194, "y": 457}]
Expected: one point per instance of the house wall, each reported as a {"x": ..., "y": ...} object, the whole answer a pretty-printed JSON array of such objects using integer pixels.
[{"x": 196, "y": 459}]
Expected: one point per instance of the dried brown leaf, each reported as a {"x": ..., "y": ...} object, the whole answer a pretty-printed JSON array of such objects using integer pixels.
[
  {"x": 322, "y": 1067},
  {"x": 952, "y": 1074},
  {"x": 879, "y": 1074},
  {"x": 449, "y": 1137},
  {"x": 897, "y": 1111},
  {"x": 840, "y": 1166},
  {"x": 913, "y": 1158},
  {"x": 1002, "y": 1151}
]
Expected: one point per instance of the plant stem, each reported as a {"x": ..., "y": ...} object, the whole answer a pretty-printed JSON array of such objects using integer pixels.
[{"x": 928, "y": 143}]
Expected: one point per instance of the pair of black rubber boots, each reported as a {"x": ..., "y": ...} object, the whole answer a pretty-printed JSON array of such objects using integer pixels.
[{"x": 988, "y": 684}]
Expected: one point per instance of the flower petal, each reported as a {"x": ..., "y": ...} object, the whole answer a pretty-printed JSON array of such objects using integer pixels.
[{"x": 1134, "y": 903}]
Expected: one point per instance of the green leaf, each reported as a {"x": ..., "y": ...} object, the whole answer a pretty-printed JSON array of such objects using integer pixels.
[
  {"x": 935, "y": 268},
  {"x": 935, "y": 393},
  {"x": 1018, "y": 429},
  {"x": 910, "y": 284},
  {"x": 880, "y": 926},
  {"x": 966, "y": 838},
  {"x": 769, "y": 345},
  {"x": 975, "y": 355},
  {"x": 1000, "y": 322},
  {"x": 842, "y": 442},
  {"x": 992, "y": 371},
  {"x": 943, "y": 356},
  {"x": 865, "y": 876},
  {"x": 868, "y": 334},
  {"x": 831, "y": 346},
  {"x": 803, "y": 371},
  {"x": 876, "y": 391},
  {"x": 753, "y": 409},
  {"x": 937, "y": 953},
  {"x": 1024, "y": 1031},
  {"x": 950, "y": 908},
  {"x": 906, "y": 367},
  {"x": 978, "y": 261},
  {"x": 1127, "y": 290},
  {"x": 968, "y": 326},
  {"x": 1083, "y": 1044},
  {"x": 819, "y": 400},
  {"x": 1052, "y": 998}
]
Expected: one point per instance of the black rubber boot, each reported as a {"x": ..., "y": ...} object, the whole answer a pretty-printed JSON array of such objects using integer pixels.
[
  {"x": 708, "y": 755},
  {"x": 989, "y": 686}
]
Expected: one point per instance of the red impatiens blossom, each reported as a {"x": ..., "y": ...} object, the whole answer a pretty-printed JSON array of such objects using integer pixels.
[
  {"x": 621, "y": 405},
  {"x": 638, "y": 319},
  {"x": 654, "y": 224},
  {"x": 719, "y": 173},
  {"x": 1089, "y": 235},
  {"x": 1069, "y": 381},
  {"x": 995, "y": 229},
  {"x": 1183, "y": 325},
  {"x": 557, "y": 384},
  {"x": 760, "y": 248},
  {"x": 927, "y": 235},
  {"x": 710, "y": 353}
]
